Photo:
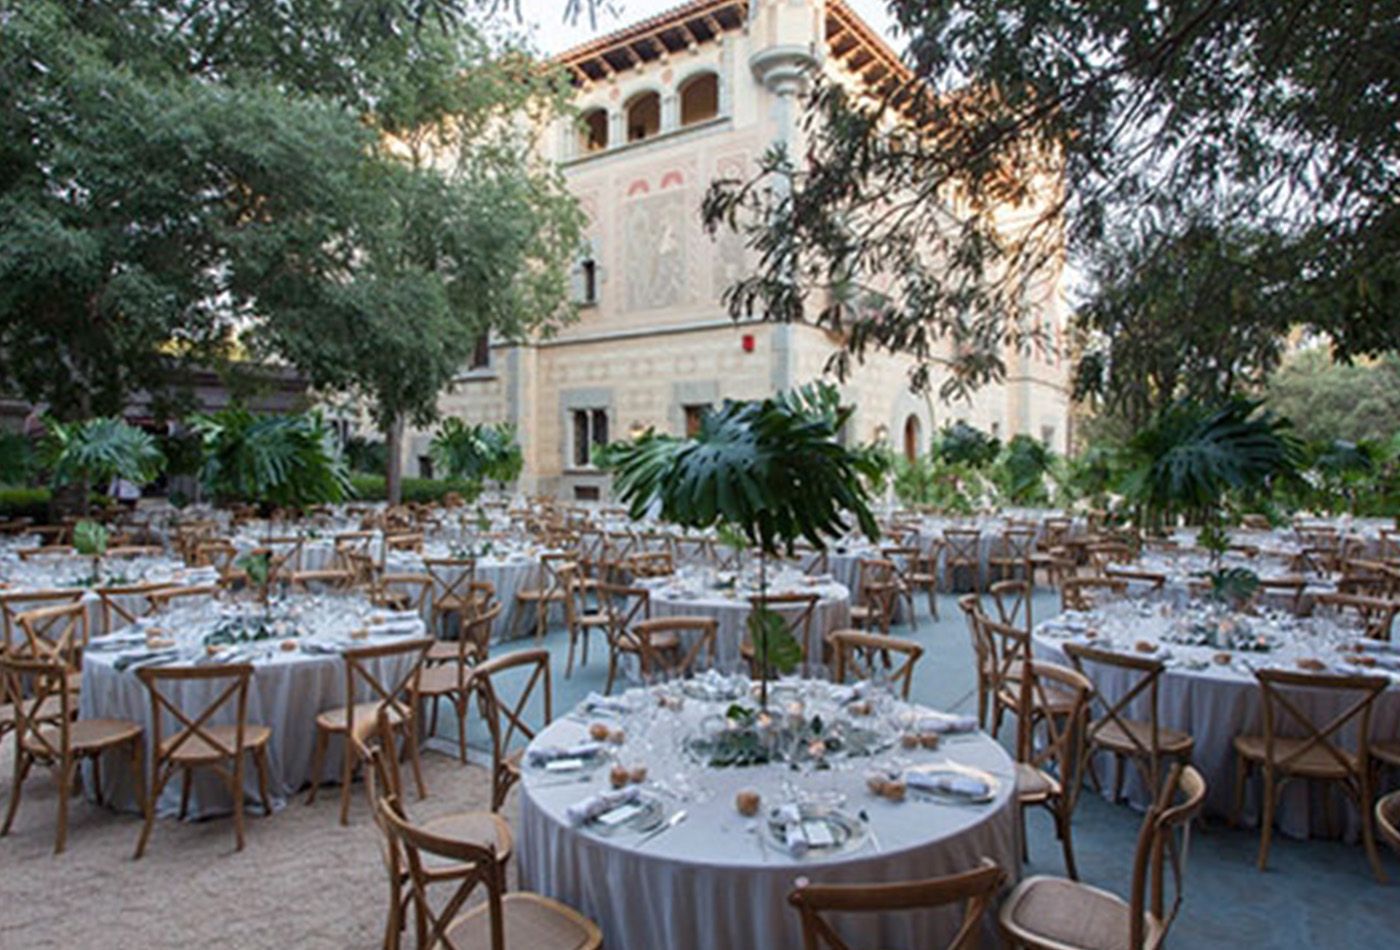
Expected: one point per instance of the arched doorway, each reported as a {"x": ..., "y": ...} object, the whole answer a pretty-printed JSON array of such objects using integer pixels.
[{"x": 913, "y": 437}]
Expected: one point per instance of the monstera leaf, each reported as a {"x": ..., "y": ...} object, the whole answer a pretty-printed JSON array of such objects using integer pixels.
[
  {"x": 90, "y": 538},
  {"x": 773, "y": 641},
  {"x": 99, "y": 450},
  {"x": 478, "y": 452},
  {"x": 288, "y": 461}
]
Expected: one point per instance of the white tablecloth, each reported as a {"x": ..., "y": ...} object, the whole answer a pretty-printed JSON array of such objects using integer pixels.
[
  {"x": 708, "y": 883},
  {"x": 286, "y": 692}
]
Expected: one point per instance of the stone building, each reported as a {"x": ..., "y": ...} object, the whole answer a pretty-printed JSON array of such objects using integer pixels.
[{"x": 666, "y": 105}]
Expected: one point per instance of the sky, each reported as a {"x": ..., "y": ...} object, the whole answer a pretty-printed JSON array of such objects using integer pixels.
[{"x": 545, "y": 19}]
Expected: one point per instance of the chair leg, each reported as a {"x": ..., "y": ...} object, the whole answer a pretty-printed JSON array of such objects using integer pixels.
[
  {"x": 1368, "y": 830},
  {"x": 260, "y": 760},
  {"x": 65, "y": 792},
  {"x": 22, "y": 764},
  {"x": 1266, "y": 819},
  {"x": 412, "y": 742},
  {"x": 236, "y": 788},
  {"x": 1118, "y": 777},
  {"x": 347, "y": 772},
  {"x": 460, "y": 705},
  {"x": 1063, "y": 821},
  {"x": 186, "y": 780},
  {"x": 318, "y": 762},
  {"x": 612, "y": 672},
  {"x": 569, "y": 666}
]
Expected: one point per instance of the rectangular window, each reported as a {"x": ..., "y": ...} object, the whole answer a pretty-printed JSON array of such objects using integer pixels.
[
  {"x": 996, "y": 430},
  {"x": 590, "y": 430},
  {"x": 586, "y": 493},
  {"x": 693, "y": 417},
  {"x": 481, "y": 355},
  {"x": 425, "y": 466},
  {"x": 589, "y": 272}
]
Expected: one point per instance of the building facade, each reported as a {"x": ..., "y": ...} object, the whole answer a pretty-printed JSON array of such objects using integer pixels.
[{"x": 666, "y": 106}]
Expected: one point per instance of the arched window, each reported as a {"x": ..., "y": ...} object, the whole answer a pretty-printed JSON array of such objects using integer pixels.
[
  {"x": 913, "y": 430},
  {"x": 643, "y": 117},
  {"x": 593, "y": 131},
  {"x": 700, "y": 99}
]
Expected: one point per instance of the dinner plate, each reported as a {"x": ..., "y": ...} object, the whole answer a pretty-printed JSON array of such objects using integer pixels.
[
  {"x": 645, "y": 814},
  {"x": 847, "y": 832}
]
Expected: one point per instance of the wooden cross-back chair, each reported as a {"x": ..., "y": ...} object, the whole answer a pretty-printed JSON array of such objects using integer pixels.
[
  {"x": 1013, "y": 552},
  {"x": 357, "y": 721},
  {"x": 199, "y": 742},
  {"x": 1376, "y": 615},
  {"x": 582, "y": 615},
  {"x": 218, "y": 553},
  {"x": 126, "y": 604},
  {"x": 480, "y": 827},
  {"x": 651, "y": 564},
  {"x": 875, "y": 596},
  {"x": 983, "y": 654},
  {"x": 618, "y": 546},
  {"x": 796, "y": 611},
  {"x": 1144, "y": 741},
  {"x": 451, "y": 680},
  {"x": 1013, "y": 601},
  {"x": 1085, "y": 593},
  {"x": 48, "y": 733},
  {"x": 1009, "y": 647},
  {"x": 47, "y": 550},
  {"x": 904, "y": 561},
  {"x": 56, "y": 634},
  {"x": 858, "y": 654},
  {"x": 14, "y": 603},
  {"x": 624, "y": 607},
  {"x": 168, "y": 597},
  {"x": 1388, "y": 819},
  {"x": 1317, "y": 753},
  {"x": 1050, "y": 720},
  {"x": 551, "y": 589},
  {"x": 810, "y": 560},
  {"x": 353, "y": 542},
  {"x": 283, "y": 555},
  {"x": 324, "y": 581},
  {"x": 505, "y": 687},
  {"x": 549, "y": 924},
  {"x": 406, "y": 591},
  {"x": 1137, "y": 579},
  {"x": 661, "y": 647},
  {"x": 976, "y": 889},
  {"x": 1104, "y": 553},
  {"x": 963, "y": 549},
  {"x": 410, "y": 541},
  {"x": 1051, "y": 913}
]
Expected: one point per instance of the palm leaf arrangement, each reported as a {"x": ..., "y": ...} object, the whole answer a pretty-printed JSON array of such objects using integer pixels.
[
  {"x": 773, "y": 470},
  {"x": 98, "y": 450},
  {"x": 476, "y": 453},
  {"x": 283, "y": 461}
]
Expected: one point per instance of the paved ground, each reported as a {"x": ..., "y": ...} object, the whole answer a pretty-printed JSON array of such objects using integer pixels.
[{"x": 303, "y": 881}]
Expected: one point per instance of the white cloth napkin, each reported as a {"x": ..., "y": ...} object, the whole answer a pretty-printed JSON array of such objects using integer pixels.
[
  {"x": 597, "y": 702},
  {"x": 600, "y": 804},
  {"x": 549, "y": 753},
  {"x": 945, "y": 725},
  {"x": 949, "y": 783}
]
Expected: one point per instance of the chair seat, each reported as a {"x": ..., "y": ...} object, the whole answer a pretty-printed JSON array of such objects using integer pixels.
[
  {"x": 1119, "y": 735},
  {"x": 449, "y": 604},
  {"x": 474, "y": 827},
  {"x": 1034, "y": 785},
  {"x": 86, "y": 735},
  {"x": 593, "y": 620},
  {"x": 440, "y": 680},
  {"x": 197, "y": 749},
  {"x": 1387, "y": 752},
  {"x": 534, "y": 593},
  {"x": 365, "y": 717},
  {"x": 529, "y": 921},
  {"x": 1057, "y": 912},
  {"x": 660, "y": 642},
  {"x": 445, "y": 651},
  {"x": 1314, "y": 763},
  {"x": 1054, "y": 703}
]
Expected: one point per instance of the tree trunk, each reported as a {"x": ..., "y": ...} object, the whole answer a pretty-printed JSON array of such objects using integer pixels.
[{"x": 393, "y": 468}]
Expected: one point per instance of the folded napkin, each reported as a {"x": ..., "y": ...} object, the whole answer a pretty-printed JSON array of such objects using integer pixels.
[
  {"x": 600, "y": 804},
  {"x": 945, "y": 725},
  {"x": 395, "y": 628},
  {"x": 323, "y": 646},
  {"x": 790, "y": 816},
  {"x": 597, "y": 702},
  {"x": 843, "y": 694},
  {"x": 947, "y": 783},
  {"x": 1378, "y": 646},
  {"x": 545, "y": 754},
  {"x": 130, "y": 661}
]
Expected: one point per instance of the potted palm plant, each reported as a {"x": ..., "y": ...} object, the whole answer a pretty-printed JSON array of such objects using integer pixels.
[
  {"x": 772, "y": 470},
  {"x": 88, "y": 455}
]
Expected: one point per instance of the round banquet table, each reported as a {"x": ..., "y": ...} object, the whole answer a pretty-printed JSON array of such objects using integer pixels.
[
  {"x": 507, "y": 574},
  {"x": 285, "y": 693},
  {"x": 730, "y": 608},
  {"x": 1214, "y": 703},
  {"x": 711, "y": 881}
]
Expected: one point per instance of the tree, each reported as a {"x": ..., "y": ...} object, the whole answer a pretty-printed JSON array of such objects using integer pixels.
[
  {"x": 923, "y": 218},
  {"x": 1199, "y": 312},
  {"x": 1328, "y": 400}
]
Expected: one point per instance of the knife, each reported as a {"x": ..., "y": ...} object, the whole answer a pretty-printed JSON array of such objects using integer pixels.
[{"x": 671, "y": 822}]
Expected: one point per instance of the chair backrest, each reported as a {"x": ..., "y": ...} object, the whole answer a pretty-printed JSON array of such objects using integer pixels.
[
  {"x": 877, "y": 583},
  {"x": 46, "y": 550},
  {"x": 474, "y": 641},
  {"x": 218, "y": 553},
  {"x": 57, "y": 633},
  {"x": 1054, "y": 532},
  {"x": 1284, "y": 716},
  {"x": 1010, "y": 646},
  {"x": 353, "y": 542},
  {"x": 1084, "y": 593},
  {"x": 40, "y": 702},
  {"x": 1017, "y": 544},
  {"x": 977, "y": 888},
  {"x": 398, "y": 694},
  {"x": 796, "y": 611},
  {"x": 194, "y": 726},
  {"x": 623, "y": 605},
  {"x": 1013, "y": 600},
  {"x": 1105, "y": 553},
  {"x": 983, "y": 647},
  {"x": 283, "y": 555},
  {"x": 452, "y": 577},
  {"x": 1163, "y": 837},
  {"x": 858, "y": 654},
  {"x": 326, "y": 581},
  {"x": 416, "y": 588},
  {"x": 126, "y": 604},
  {"x": 652, "y": 564},
  {"x": 14, "y": 603},
  {"x": 1143, "y": 675},
  {"x": 654, "y": 663},
  {"x": 164, "y": 598},
  {"x": 1053, "y": 743},
  {"x": 1388, "y": 819},
  {"x": 963, "y": 546},
  {"x": 479, "y": 866},
  {"x": 504, "y": 698},
  {"x": 1375, "y": 614}
]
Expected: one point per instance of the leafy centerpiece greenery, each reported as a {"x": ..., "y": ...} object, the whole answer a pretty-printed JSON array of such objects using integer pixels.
[{"x": 773, "y": 469}]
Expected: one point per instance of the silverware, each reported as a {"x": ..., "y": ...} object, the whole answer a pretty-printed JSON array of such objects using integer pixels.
[
  {"x": 870, "y": 830},
  {"x": 671, "y": 822},
  {"x": 571, "y": 780}
]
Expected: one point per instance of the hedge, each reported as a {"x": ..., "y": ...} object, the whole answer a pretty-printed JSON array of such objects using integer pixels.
[
  {"x": 371, "y": 488},
  {"x": 25, "y": 503}
]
